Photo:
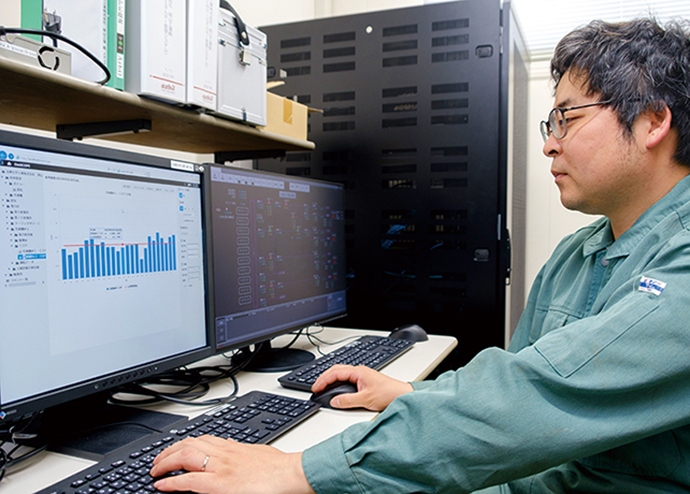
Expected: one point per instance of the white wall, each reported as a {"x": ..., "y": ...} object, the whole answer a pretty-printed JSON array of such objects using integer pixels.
[
  {"x": 346, "y": 7},
  {"x": 547, "y": 220},
  {"x": 267, "y": 12},
  {"x": 10, "y": 14}
]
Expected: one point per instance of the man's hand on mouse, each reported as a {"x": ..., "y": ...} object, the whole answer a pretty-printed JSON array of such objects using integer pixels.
[{"x": 374, "y": 390}]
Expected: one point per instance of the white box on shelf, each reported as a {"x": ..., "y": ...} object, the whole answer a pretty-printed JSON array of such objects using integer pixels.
[
  {"x": 202, "y": 53},
  {"x": 241, "y": 72},
  {"x": 156, "y": 49}
]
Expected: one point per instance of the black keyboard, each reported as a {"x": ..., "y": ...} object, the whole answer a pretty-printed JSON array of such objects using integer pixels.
[
  {"x": 371, "y": 351},
  {"x": 255, "y": 417}
]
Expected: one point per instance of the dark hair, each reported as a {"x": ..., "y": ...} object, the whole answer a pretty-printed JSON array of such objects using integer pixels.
[{"x": 638, "y": 65}]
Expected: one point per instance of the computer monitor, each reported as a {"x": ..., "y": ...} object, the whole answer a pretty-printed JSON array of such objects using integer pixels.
[
  {"x": 278, "y": 257},
  {"x": 103, "y": 270}
]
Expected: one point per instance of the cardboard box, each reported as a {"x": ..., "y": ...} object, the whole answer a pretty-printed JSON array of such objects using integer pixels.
[{"x": 286, "y": 117}]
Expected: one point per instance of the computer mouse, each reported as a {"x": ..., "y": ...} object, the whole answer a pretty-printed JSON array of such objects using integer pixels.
[
  {"x": 325, "y": 396},
  {"x": 411, "y": 332}
]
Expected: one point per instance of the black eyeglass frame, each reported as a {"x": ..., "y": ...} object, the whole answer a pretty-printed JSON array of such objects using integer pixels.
[{"x": 546, "y": 128}]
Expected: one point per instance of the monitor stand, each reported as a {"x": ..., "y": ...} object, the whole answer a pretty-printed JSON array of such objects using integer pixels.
[
  {"x": 266, "y": 359},
  {"x": 91, "y": 428}
]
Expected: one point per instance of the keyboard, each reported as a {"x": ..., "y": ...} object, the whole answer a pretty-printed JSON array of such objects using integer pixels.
[
  {"x": 371, "y": 351},
  {"x": 255, "y": 417}
]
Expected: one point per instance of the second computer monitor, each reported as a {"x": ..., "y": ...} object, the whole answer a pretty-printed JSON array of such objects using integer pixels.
[{"x": 278, "y": 254}]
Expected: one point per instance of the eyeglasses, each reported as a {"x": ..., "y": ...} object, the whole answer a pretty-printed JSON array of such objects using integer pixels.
[{"x": 557, "y": 124}]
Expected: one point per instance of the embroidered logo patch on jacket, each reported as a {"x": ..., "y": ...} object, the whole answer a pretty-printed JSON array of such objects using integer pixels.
[{"x": 651, "y": 285}]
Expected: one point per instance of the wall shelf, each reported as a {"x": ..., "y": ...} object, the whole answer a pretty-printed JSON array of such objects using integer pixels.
[{"x": 37, "y": 98}]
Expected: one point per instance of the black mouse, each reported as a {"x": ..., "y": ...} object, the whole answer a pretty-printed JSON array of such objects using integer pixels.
[
  {"x": 411, "y": 332},
  {"x": 325, "y": 396}
]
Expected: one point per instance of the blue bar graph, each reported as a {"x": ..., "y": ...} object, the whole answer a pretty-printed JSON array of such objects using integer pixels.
[{"x": 91, "y": 260}]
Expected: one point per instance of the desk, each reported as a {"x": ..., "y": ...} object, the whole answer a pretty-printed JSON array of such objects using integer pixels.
[{"x": 48, "y": 467}]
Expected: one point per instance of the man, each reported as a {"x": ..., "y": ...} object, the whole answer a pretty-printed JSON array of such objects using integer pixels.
[{"x": 594, "y": 393}]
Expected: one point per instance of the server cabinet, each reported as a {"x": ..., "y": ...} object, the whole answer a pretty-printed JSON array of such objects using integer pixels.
[{"x": 414, "y": 104}]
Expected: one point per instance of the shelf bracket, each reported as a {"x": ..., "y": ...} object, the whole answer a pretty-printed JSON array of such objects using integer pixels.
[
  {"x": 100, "y": 129},
  {"x": 223, "y": 156}
]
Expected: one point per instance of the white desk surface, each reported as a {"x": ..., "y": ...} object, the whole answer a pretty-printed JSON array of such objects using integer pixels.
[{"x": 415, "y": 365}]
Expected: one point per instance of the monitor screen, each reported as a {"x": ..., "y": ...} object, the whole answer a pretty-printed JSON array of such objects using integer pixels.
[
  {"x": 278, "y": 254},
  {"x": 102, "y": 257}
]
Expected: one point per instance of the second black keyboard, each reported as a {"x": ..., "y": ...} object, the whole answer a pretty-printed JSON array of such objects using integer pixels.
[
  {"x": 255, "y": 417},
  {"x": 371, "y": 351}
]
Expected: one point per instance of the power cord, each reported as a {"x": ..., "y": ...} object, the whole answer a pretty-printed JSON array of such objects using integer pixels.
[
  {"x": 3, "y": 463},
  {"x": 297, "y": 334},
  {"x": 191, "y": 384},
  {"x": 313, "y": 338},
  {"x": 15, "y": 30},
  {"x": 15, "y": 436},
  {"x": 7, "y": 459}
]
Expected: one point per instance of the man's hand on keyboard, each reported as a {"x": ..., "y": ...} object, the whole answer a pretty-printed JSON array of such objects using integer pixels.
[
  {"x": 374, "y": 390},
  {"x": 219, "y": 466}
]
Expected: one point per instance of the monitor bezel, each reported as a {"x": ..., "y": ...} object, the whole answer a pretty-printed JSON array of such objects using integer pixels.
[
  {"x": 264, "y": 338},
  {"x": 106, "y": 383}
]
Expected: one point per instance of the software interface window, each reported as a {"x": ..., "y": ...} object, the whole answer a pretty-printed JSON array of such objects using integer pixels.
[
  {"x": 87, "y": 245},
  {"x": 279, "y": 257}
]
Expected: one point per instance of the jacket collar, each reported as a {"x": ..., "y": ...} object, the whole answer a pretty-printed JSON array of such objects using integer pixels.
[{"x": 678, "y": 199}]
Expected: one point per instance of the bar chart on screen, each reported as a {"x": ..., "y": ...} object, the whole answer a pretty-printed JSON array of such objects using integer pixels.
[
  {"x": 98, "y": 258},
  {"x": 109, "y": 233}
]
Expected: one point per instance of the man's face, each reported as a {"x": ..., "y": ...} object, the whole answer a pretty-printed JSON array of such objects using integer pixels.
[{"x": 597, "y": 169}]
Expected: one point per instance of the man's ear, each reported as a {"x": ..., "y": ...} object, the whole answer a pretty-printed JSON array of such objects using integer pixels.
[{"x": 659, "y": 125}]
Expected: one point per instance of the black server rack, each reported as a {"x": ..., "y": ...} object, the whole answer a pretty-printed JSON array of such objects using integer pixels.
[{"x": 415, "y": 108}]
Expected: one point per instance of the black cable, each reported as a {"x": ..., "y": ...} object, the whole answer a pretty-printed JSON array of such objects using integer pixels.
[
  {"x": 3, "y": 462},
  {"x": 151, "y": 396},
  {"x": 194, "y": 383},
  {"x": 240, "y": 358},
  {"x": 18, "y": 427},
  {"x": 11, "y": 461},
  {"x": 7, "y": 460},
  {"x": 38, "y": 32},
  {"x": 242, "y": 364},
  {"x": 11, "y": 452},
  {"x": 243, "y": 356},
  {"x": 313, "y": 337},
  {"x": 29, "y": 454},
  {"x": 292, "y": 342}
]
